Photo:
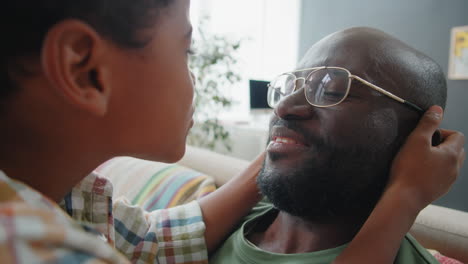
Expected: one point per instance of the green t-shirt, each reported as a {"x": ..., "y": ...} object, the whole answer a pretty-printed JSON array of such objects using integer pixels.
[{"x": 237, "y": 249}]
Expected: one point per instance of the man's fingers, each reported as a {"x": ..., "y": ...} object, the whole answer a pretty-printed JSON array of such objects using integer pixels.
[
  {"x": 258, "y": 161},
  {"x": 429, "y": 121}
]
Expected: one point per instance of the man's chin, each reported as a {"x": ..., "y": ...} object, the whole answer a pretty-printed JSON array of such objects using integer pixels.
[
  {"x": 286, "y": 162},
  {"x": 313, "y": 195}
]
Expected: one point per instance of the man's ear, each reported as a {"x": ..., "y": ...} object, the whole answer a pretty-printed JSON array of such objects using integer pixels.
[{"x": 72, "y": 59}]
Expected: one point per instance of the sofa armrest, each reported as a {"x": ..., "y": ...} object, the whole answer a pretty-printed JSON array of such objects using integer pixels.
[{"x": 443, "y": 229}]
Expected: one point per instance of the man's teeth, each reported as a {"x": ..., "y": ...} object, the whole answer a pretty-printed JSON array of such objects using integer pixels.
[{"x": 285, "y": 140}]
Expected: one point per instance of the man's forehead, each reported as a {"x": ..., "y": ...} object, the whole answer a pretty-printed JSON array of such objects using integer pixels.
[
  {"x": 354, "y": 49},
  {"x": 371, "y": 60},
  {"x": 357, "y": 63}
]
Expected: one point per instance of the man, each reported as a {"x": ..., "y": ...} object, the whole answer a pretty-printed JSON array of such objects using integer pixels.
[{"x": 334, "y": 133}]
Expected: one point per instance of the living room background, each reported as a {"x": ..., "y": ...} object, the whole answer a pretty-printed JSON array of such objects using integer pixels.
[
  {"x": 423, "y": 24},
  {"x": 278, "y": 32}
]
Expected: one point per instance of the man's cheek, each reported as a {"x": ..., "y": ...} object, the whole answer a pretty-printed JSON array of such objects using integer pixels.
[
  {"x": 349, "y": 132},
  {"x": 383, "y": 126},
  {"x": 365, "y": 130}
]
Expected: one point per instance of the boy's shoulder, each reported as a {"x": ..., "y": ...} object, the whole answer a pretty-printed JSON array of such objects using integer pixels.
[{"x": 31, "y": 223}]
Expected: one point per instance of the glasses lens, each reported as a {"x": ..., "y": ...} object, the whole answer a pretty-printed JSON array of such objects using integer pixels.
[
  {"x": 281, "y": 87},
  {"x": 327, "y": 86}
]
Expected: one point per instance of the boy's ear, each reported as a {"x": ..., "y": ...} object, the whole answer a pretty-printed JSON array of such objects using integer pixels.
[{"x": 72, "y": 59}]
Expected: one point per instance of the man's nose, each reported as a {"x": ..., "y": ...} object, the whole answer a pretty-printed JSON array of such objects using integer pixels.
[{"x": 294, "y": 106}]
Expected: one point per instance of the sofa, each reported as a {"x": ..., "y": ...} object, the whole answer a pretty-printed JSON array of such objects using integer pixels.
[{"x": 155, "y": 185}]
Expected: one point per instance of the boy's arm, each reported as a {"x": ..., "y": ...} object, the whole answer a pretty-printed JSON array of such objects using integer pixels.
[
  {"x": 420, "y": 174},
  {"x": 223, "y": 208}
]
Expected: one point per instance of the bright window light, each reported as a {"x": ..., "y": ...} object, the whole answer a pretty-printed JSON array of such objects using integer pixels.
[{"x": 269, "y": 30}]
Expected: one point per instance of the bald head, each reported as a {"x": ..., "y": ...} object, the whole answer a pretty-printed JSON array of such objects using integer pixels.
[
  {"x": 383, "y": 60},
  {"x": 342, "y": 159}
]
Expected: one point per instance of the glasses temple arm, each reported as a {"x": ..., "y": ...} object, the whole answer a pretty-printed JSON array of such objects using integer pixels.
[
  {"x": 389, "y": 94},
  {"x": 415, "y": 107}
]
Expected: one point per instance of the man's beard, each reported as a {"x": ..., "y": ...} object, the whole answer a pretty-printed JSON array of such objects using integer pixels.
[{"x": 341, "y": 183}]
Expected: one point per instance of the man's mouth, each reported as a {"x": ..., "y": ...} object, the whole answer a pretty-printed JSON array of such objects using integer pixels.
[
  {"x": 286, "y": 145},
  {"x": 285, "y": 140}
]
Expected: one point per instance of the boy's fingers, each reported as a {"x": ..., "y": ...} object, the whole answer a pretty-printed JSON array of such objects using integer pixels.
[
  {"x": 455, "y": 140},
  {"x": 446, "y": 132},
  {"x": 462, "y": 158},
  {"x": 258, "y": 161}
]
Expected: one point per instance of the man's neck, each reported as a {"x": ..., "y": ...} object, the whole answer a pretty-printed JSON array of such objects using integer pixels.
[{"x": 289, "y": 234}]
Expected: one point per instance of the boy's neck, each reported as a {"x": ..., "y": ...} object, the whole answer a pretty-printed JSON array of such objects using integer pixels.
[
  {"x": 54, "y": 178},
  {"x": 49, "y": 163}
]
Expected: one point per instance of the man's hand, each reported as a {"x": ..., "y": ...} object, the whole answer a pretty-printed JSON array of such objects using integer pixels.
[{"x": 423, "y": 172}]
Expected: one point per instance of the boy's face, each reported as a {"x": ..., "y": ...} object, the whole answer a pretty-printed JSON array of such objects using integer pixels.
[{"x": 153, "y": 89}]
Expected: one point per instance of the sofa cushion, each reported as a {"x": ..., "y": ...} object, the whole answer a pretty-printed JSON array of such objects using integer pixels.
[
  {"x": 155, "y": 185},
  {"x": 221, "y": 167}
]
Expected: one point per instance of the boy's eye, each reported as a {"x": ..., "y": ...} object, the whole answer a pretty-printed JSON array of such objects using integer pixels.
[{"x": 191, "y": 51}]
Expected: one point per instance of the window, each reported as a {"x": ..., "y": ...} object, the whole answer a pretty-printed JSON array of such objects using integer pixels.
[{"x": 269, "y": 30}]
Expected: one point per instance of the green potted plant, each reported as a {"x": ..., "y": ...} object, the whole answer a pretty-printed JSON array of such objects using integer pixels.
[{"x": 214, "y": 65}]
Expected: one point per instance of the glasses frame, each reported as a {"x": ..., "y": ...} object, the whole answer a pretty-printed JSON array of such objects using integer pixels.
[{"x": 350, "y": 77}]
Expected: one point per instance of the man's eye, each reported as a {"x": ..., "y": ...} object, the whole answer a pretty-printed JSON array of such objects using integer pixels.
[{"x": 333, "y": 94}]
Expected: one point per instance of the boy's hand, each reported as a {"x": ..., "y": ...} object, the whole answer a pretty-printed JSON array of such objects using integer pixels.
[
  {"x": 420, "y": 174},
  {"x": 424, "y": 172}
]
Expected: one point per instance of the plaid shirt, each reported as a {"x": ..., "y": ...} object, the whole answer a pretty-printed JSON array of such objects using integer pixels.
[{"x": 89, "y": 228}]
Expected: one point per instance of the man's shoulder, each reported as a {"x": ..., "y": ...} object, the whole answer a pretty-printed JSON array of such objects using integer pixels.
[{"x": 411, "y": 251}]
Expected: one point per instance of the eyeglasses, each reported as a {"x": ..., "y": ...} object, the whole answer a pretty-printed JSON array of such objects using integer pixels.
[{"x": 323, "y": 87}]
